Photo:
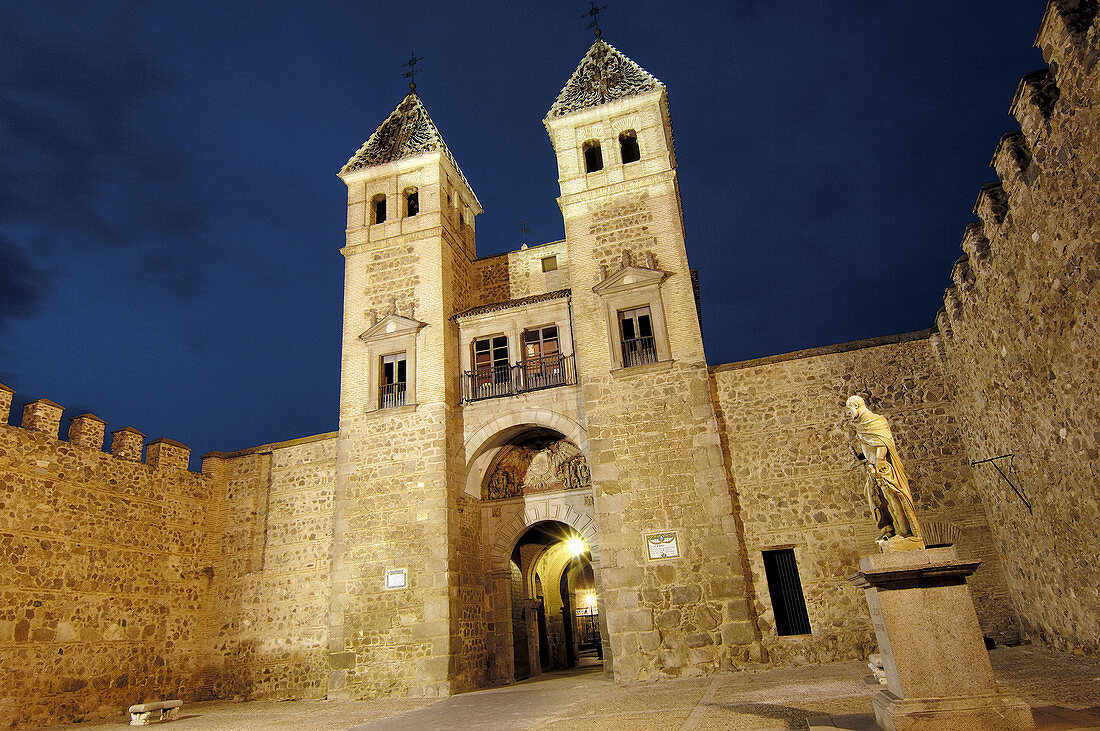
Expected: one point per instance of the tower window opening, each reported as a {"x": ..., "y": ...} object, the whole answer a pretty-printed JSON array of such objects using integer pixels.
[
  {"x": 394, "y": 377},
  {"x": 593, "y": 156},
  {"x": 412, "y": 202},
  {"x": 378, "y": 208},
  {"x": 639, "y": 344},
  {"x": 549, "y": 263},
  {"x": 785, "y": 589},
  {"x": 628, "y": 146}
]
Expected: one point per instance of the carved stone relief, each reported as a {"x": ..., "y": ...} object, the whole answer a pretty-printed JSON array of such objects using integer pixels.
[{"x": 536, "y": 466}]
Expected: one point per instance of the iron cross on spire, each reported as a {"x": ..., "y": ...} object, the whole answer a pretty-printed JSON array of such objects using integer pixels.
[
  {"x": 594, "y": 13},
  {"x": 411, "y": 73}
]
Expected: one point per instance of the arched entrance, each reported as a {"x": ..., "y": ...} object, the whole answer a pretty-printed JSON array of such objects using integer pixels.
[
  {"x": 540, "y": 538},
  {"x": 555, "y": 607}
]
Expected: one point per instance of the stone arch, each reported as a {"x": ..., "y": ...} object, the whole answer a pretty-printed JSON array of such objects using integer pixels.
[
  {"x": 557, "y": 509},
  {"x": 507, "y": 425}
]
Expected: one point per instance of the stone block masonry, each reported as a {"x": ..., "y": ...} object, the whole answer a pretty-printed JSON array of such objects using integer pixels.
[
  {"x": 1019, "y": 337},
  {"x": 797, "y": 483},
  {"x": 264, "y": 576}
]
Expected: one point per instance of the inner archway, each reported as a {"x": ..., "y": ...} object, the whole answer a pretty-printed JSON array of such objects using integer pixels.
[
  {"x": 533, "y": 485},
  {"x": 555, "y": 608}
]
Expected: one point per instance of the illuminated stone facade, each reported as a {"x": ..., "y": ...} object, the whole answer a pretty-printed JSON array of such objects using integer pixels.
[{"x": 492, "y": 408}]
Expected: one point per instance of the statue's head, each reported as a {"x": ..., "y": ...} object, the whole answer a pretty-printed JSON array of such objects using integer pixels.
[{"x": 855, "y": 406}]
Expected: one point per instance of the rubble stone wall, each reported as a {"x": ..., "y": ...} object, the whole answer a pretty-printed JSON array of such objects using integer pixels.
[
  {"x": 798, "y": 484},
  {"x": 1019, "y": 343},
  {"x": 106, "y": 564},
  {"x": 273, "y": 578}
]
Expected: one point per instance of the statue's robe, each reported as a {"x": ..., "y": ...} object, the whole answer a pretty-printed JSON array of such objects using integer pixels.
[{"x": 873, "y": 431}]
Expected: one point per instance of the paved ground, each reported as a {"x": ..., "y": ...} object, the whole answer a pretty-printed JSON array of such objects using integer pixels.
[{"x": 1064, "y": 694}]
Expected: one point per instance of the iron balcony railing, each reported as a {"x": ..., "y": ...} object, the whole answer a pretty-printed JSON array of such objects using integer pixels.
[
  {"x": 509, "y": 379},
  {"x": 391, "y": 395},
  {"x": 639, "y": 351}
]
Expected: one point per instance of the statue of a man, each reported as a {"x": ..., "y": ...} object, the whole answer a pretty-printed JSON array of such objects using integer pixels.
[{"x": 887, "y": 487}]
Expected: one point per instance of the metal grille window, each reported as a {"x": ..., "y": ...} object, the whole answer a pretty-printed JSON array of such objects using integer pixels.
[
  {"x": 391, "y": 391},
  {"x": 639, "y": 345},
  {"x": 785, "y": 589}
]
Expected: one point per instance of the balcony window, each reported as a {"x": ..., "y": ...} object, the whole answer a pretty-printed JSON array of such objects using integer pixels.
[
  {"x": 542, "y": 361},
  {"x": 636, "y": 329},
  {"x": 491, "y": 371},
  {"x": 391, "y": 389}
]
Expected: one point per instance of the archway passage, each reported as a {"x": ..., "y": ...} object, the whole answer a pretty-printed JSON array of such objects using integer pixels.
[{"x": 555, "y": 609}]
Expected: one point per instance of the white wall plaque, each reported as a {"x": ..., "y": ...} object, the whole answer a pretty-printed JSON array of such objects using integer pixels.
[
  {"x": 397, "y": 578},
  {"x": 662, "y": 545}
]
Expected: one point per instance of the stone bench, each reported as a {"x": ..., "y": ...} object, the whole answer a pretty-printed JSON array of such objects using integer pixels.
[{"x": 142, "y": 713}]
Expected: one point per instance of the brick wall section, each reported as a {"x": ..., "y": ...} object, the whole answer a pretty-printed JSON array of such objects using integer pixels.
[
  {"x": 105, "y": 565},
  {"x": 798, "y": 484},
  {"x": 1019, "y": 336},
  {"x": 519, "y": 273}
]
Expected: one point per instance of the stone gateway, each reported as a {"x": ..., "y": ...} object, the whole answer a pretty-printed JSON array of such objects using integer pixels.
[{"x": 535, "y": 464}]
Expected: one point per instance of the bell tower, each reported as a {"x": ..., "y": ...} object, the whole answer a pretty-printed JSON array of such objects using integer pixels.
[
  {"x": 410, "y": 244},
  {"x": 658, "y": 468}
]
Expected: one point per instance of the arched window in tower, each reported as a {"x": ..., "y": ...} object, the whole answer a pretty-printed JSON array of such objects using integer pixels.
[
  {"x": 593, "y": 156},
  {"x": 628, "y": 146},
  {"x": 412, "y": 202},
  {"x": 378, "y": 208}
]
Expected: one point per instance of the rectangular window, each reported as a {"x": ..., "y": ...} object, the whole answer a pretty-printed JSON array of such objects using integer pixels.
[
  {"x": 391, "y": 389},
  {"x": 788, "y": 604},
  {"x": 380, "y": 209},
  {"x": 549, "y": 263},
  {"x": 639, "y": 345},
  {"x": 491, "y": 369},
  {"x": 542, "y": 362}
]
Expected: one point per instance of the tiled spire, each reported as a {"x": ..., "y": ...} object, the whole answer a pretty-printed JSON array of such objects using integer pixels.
[
  {"x": 407, "y": 132},
  {"x": 604, "y": 75}
]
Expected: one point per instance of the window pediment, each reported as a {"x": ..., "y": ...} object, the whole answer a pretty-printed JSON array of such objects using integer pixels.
[
  {"x": 391, "y": 326},
  {"x": 628, "y": 278}
]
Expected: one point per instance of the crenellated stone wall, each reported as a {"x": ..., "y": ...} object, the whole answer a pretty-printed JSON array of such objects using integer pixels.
[
  {"x": 1018, "y": 337},
  {"x": 798, "y": 484},
  {"x": 106, "y": 564},
  {"x": 263, "y": 576}
]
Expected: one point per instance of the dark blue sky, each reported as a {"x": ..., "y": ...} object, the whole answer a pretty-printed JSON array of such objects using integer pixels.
[{"x": 170, "y": 215}]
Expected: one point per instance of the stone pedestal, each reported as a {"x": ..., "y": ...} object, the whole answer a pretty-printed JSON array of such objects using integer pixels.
[{"x": 937, "y": 667}]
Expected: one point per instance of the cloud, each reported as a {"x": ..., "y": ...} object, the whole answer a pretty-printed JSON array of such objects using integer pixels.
[
  {"x": 77, "y": 168},
  {"x": 21, "y": 283}
]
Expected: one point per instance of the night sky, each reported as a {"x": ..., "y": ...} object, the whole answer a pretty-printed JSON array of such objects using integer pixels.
[{"x": 170, "y": 215}]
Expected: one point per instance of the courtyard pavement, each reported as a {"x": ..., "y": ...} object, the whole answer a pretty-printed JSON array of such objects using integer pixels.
[{"x": 1064, "y": 693}]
